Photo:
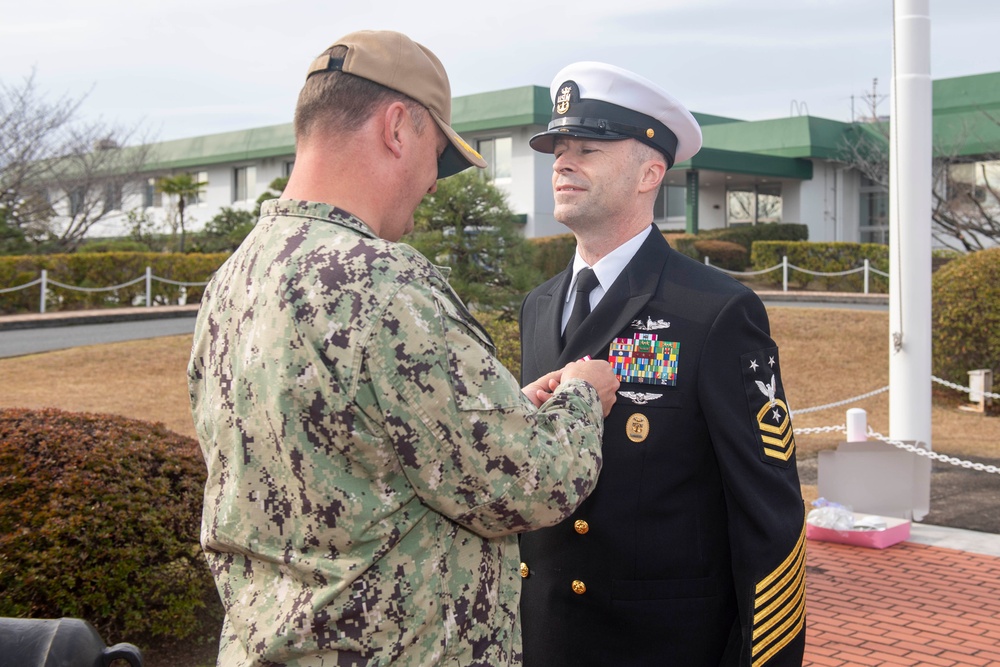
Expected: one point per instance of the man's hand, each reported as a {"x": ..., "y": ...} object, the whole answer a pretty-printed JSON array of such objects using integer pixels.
[
  {"x": 597, "y": 373},
  {"x": 541, "y": 389}
]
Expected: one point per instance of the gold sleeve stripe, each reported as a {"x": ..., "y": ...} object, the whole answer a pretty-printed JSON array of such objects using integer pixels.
[
  {"x": 779, "y": 605},
  {"x": 795, "y": 570},
  {"x": 796, "y": 590},
  {"x": 796, "y": 555},
  {"x": 792, "y": 633}
]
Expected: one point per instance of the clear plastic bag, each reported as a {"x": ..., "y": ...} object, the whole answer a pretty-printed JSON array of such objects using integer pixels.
[{"x": 830, "y": 515}]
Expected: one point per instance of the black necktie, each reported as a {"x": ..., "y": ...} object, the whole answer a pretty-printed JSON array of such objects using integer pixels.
[{"x": 586, "y": 281}]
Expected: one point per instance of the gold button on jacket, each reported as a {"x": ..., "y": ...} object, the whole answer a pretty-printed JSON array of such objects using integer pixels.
[
  {"x": 579, "y": 587},
  {"x": 524, "y": 570},
  {"x": 581, "y": 526}
]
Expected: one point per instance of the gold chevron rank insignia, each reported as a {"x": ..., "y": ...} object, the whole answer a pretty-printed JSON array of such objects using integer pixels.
[{"x": 768, "y": 409}]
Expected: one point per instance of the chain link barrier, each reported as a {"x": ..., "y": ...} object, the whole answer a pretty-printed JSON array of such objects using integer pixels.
[
  {"x": 967, "y": 390},
  {"x": 846, "y": 401},
  {"x": 913, "y": 449}
]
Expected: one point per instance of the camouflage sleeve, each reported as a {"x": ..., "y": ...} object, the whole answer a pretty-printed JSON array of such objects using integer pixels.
[{"x": 469, "y": 441}]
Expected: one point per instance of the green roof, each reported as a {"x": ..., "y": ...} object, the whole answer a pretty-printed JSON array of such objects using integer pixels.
[
  {"x": 967, "y": 115},
  {"x": 755, "y": 164},
  {"x": 966, "y": 123},
  {"x": 259, "y": 142},
  {"x": 796, "y": 137},
  {"x": 513, "y": 107}
]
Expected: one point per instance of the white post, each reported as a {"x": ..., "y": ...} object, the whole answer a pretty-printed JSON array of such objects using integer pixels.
[
  {"x": 910, "y": 225},
  {"x": 44, "y": 288},
  {"x": 784, "y": 273},
  {"x": 867, "y": 266},
  {"x": 149, "y": 286},
  {"x": 857, "y": 425}
]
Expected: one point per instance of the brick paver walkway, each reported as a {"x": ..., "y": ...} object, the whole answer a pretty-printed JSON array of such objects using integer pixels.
[{"x": 908, "y": 604}]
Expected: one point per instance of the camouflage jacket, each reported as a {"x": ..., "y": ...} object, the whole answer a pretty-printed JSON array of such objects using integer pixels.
[{"x": 369, "y": 460}]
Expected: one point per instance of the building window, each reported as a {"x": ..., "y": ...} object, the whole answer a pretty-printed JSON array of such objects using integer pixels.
[
  {"x": 112, "y": 197},
  {"x": 670, "y": 203},
  {"x": 151, "y": 195},
  {"x": 498, "y": 153},
  {"x": 77, "y": 197},
  {"x": 973, "y": 185},
  {"x": 753, "y": 204},
  {"x": 873, "y": 223},
  {"x": 201, "y": 178},
  {"x": 244, "y": 183}
]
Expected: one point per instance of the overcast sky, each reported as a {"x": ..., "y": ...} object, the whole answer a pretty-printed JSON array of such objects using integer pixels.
[{"x": 190, "y": 67}]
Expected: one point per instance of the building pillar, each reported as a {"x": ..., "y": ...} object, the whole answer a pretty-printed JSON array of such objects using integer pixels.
[{"x": 691, "y": 211}]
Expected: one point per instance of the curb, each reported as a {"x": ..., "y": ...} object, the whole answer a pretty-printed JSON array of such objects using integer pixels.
[
  {"x": 99, "y": 316},
  {"x": 824, "y": 297}
]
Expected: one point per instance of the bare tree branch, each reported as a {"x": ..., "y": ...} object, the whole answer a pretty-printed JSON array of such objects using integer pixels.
[
  {"x": 61, "y": 175},
  {"x": 965, "y": 214}
]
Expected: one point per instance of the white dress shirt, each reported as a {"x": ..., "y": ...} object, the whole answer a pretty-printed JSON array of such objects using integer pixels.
[{"x": 607, "y": 269}]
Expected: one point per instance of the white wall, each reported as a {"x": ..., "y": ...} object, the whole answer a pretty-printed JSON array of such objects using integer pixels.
[{"x": 828, "y": 204}]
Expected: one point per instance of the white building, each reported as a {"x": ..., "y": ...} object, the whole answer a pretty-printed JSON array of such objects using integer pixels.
[{"x": 792, "y": 170}]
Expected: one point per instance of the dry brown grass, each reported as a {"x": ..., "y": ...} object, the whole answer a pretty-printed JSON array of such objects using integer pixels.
[
  {"x": 142, "y": 379},
  {"x": 827, "y": 355}
]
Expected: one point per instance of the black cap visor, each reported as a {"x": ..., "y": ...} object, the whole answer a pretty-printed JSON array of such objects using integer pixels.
[{"x": 594, "y": 119}]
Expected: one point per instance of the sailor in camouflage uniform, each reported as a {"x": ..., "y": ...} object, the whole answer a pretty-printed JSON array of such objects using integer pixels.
[
  {"x": 690, "y": 552},
  {"x": 370, "y": 462}
]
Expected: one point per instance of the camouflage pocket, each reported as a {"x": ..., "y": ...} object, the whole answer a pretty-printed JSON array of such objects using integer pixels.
[{"x": 478, "y": 380}]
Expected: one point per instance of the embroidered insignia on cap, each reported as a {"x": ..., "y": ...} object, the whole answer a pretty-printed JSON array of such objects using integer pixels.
[
  {"x": 562, "y": 102},
  {"x": 650, "y": 133},
  {"x": 643, "y": 359},
  {"x": 768, "y": 410}
]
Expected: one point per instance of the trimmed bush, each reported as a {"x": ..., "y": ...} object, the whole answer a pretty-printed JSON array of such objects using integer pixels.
[
  {"x": 684, "y": 243},
  {"x": 965, "y": 316},
  {"x": 747, "y": 235},
  {"x": 823, "y": 258},
  {"x": 99, "y": 519},
  {"x": 506, "y": 336},
  {"x": 723, "y": 254}
]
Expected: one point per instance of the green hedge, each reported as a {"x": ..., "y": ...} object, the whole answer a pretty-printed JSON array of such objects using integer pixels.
[
  {"x": 99, "y": 270},
  {"x": 747, "y": 235},
  {"x": 723, "y": 254},
  {"x": 99, "y": 519},
  {"x": 822, "y": 258}
]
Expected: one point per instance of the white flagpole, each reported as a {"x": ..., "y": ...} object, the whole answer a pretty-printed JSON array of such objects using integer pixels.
[{"x": 910, "y": 225}]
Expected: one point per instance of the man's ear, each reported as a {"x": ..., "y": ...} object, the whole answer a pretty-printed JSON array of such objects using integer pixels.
[
  {"x": 393, "y": 122},
  {"x": 653, "y": 172}
]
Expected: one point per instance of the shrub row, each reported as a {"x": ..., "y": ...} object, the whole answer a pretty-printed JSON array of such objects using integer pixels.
[
  {"x": 100, "y": 270},
  {"x": 822, "y": 258},
  {"x": 727, "y": 248}
]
